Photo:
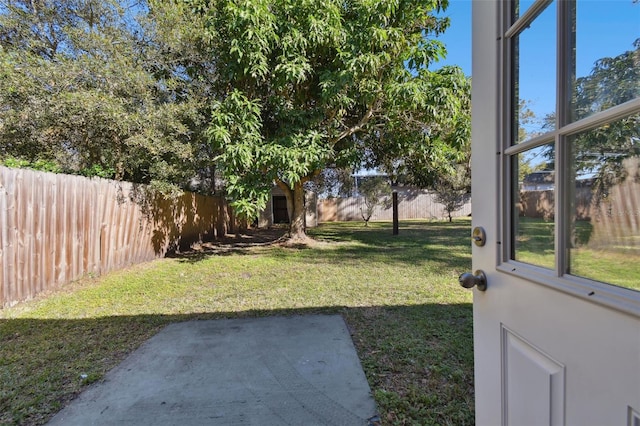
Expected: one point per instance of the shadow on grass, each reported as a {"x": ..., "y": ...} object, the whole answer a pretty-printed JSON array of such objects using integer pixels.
[
  {"x": 536, "y": 235},
  {"x": 418, "y": 359},
  {"x": 443, "y": 245},
  {"x": 238, "y": 244}
]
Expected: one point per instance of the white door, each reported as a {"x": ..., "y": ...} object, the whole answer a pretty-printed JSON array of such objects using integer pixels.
[{"x": 556, "y": 102}]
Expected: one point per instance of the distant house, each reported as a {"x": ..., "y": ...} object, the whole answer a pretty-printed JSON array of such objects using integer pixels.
[
  {"x": 544, "y": 181},
  {"x": 539, "y": 181}
]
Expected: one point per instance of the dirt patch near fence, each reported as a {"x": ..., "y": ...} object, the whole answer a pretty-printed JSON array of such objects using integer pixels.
[{"x": 233, "y": 243}]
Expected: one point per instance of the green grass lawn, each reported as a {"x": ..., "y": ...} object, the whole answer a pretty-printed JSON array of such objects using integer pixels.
[
  {"x": 600, "y": 260},
  {"x": 410, "y": 320}
]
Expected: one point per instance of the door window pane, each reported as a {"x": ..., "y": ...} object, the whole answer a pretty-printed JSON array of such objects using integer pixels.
[
  {"x": 534, "y": 87},
  {"x": 607, "y": 55},
  {"x": 575, "y": 61},
  {"x": 605, "y": 239},
  {"x": 534, "y": 207}
]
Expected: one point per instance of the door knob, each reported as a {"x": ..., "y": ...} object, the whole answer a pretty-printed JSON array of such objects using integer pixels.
[{"x": 468, "y": 280}]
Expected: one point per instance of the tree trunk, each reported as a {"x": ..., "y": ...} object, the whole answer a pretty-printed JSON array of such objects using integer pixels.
[
  {"x": 296, "y": 210},
  {"x": 297, "y": 228}
]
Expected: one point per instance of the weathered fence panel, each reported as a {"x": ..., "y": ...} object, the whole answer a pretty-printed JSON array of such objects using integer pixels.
[
  {"x": 56, "y": 228},
  {"x": 614, "y": 217},
  {"x": 412, "y": 204},
  {"x": 619, "y": 212}
]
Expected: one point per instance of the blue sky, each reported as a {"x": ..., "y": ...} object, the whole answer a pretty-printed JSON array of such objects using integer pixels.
[
  {"x": 605, "y": 28},
  {"x": 611, "y": 30},
  {"x": 457, "y": 37}
]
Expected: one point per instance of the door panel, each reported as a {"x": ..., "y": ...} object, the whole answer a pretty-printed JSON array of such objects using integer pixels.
[
  {"x": 550, "y": 348},
  {"x": 533, "y": 383},
  {"x": 524, "y": 331}
]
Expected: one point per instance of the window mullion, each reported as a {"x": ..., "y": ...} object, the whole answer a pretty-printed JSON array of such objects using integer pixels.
[
  {"x": 565, "y": 78},
  {"x": 507, "y": 57}
]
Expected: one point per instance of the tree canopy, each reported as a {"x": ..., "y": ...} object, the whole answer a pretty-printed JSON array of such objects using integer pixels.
[
  {"x": 89, "y": 87},
  {"x": 302, "y": 85},
  {"x": 603, "y": 151}
]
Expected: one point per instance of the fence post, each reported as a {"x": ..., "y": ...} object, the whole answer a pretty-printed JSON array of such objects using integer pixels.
[{"x": 395, "y": 212}]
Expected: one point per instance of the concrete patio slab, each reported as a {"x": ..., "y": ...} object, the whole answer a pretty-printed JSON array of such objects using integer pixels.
[{"x": 299, "y": 370}]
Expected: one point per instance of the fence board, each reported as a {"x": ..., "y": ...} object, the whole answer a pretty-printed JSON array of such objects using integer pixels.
[
  {"x": 49, "y": 208},
  {"x": 57, "y": 228},
  {"x": 4, "y": 238},
  {"x": 21, "y": 252},
  {"x": 38, "y": 268},
  {"x": 9, "y": 232}
]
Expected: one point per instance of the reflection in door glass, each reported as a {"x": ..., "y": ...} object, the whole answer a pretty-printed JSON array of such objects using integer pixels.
[
  {"x": 605, "y": 239},
  {"x": 534, "y": 86},
  {"x": 607, "y": 55},
  {"x": 534, "y": 207}
]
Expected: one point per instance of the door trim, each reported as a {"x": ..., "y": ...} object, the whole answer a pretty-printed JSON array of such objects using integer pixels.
[{"x": 619, "y": 298}]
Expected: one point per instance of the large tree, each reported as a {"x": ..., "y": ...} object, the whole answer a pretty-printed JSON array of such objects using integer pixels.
[
  {"x": 91, "y": 87},
  {"x": 302, "y": 85},
  {"x": 603, "y": 151}
]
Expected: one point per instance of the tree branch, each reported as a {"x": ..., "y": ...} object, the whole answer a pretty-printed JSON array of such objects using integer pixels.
[
  {"x": 310, "y": 176},
  {"x": 283, "y": 185},
  {"x": 354, "y": 129}
]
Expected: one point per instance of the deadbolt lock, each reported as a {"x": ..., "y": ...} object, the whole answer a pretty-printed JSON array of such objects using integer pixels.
[{"x": 478, "y": 236}]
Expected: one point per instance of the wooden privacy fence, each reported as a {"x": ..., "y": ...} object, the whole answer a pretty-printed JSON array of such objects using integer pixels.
[
  {"x": 56, "y": 228},
  {"x": 614, "y": 220},
  {"x": 412, "y": 204}
]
